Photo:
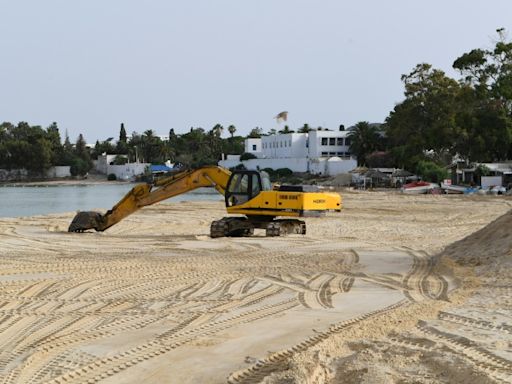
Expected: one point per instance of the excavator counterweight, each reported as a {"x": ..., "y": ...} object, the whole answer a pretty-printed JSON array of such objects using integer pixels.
[{"x": 247, "y": 193}]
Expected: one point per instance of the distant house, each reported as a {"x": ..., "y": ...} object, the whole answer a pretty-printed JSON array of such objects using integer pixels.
[
  {"x": 127, "y": 171},
  {"x": 462, "y": 173},
  {"x": 321, "y": 152}
]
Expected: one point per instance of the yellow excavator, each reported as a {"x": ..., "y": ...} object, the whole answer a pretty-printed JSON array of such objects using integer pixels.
[{"x": 246, "y": 192}]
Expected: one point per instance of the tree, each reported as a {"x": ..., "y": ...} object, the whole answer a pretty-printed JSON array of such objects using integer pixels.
[
  {"x": 487, "y": 112},
  {"x": 427, "y": 119},
  {"x": 231, "y": 130},
  {"x": 364, "y": 139},
  {"x": 122, "y": 134},
  {"x": 286, "y": 130},
  {"x": 305, "y": 128},
  {"x": 255, "y": 133},
  {"x": 53, "y": 137},
  {"x": 217, "y": 130},
  {"x": 82, "y": 162}
]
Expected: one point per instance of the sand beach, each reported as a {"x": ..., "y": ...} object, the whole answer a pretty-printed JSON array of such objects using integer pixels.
[{"x": 393, "y": 289}]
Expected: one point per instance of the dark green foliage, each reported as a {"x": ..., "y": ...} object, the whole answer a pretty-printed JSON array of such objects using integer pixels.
[
  {"x": 79, "y": 167},
  {"x": 305, "y": 128},
  {"x": 430, "y": 171},
  {"x": 286, "y": 129},
  {"x": 283, "y": 172},
  {"x": 255, "y": 133},
  {"x": 111, "y": 177},
  {"x": 122, "y": 134},
  {"x": 120, "y": 160},
  {"x": 247, "y": 156},
  {"x": 380, "y": 159},
  {"x": 364, "y": 139},
  {"x": 471, "y": 118}
]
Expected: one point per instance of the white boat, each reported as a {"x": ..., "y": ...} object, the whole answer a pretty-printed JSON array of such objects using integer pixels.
[
  {"x": 447, "y": 188},
  {"x": 419, "y": 187},
  {"x": 498, "y": 190}
]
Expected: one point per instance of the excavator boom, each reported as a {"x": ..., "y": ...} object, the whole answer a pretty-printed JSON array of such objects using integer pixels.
[{"x": 146, "y": 194}]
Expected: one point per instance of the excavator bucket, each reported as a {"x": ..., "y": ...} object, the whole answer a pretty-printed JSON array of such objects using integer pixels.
[{"x": 84, "y": 221}]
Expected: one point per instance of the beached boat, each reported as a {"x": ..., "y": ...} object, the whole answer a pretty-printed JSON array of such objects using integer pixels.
[
  {"x": 453, "y": 188},
  {"x": 419, "y": 187}
]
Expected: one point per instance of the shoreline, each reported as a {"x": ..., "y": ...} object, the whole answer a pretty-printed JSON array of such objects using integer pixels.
[{"x": 64, "y": 182}]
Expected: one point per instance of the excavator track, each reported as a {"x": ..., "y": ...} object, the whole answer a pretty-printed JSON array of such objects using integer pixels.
[
  {"x": 242, "y": 226},
  {"x": 232, "y": 227}
]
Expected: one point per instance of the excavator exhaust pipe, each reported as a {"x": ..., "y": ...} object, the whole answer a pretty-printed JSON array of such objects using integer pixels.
[{"x": 84, "y": 221}]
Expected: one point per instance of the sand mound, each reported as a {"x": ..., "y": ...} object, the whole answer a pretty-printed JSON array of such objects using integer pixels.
[{"x": 489, "y": 246}]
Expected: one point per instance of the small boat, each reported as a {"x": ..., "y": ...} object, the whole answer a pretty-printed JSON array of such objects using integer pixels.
[
  {"x": 498, "y": 190},
  {"x": 453, "y": 188},
  {"x": 419, "y": 187}
]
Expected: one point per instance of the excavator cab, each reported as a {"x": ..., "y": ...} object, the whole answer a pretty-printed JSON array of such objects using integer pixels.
[{"x": 245, "y": 185}]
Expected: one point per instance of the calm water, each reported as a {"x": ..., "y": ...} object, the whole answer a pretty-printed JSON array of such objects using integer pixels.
[{"x": 31, "y": 200}]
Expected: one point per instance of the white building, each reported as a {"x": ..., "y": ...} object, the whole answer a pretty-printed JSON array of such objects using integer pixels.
[
  {"x": 318, "y": 152},
  {"x": 128, "y": 171}
]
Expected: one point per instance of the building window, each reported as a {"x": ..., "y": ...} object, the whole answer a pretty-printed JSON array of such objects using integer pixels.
[
  {"x": 340, "y": 140},
  {"x": 325, "y": 153},
  {"x": 332, "y": 153},
  {"x": 324, "y": 141},
  {"x": 254, "y": 147},
  {"x": 332, "y": 141},
  {"x": 341, "y": 154},
  {"x": 347, "y": 141}
]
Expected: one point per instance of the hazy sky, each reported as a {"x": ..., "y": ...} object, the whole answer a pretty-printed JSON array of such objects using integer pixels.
[{"x": 90, "y": 65}]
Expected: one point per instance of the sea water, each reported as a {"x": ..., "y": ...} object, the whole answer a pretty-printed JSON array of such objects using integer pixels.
[{"x": 29, "y": 200}]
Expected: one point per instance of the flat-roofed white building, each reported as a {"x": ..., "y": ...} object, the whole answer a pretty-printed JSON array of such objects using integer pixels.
[{"x": 319, "y": 152}]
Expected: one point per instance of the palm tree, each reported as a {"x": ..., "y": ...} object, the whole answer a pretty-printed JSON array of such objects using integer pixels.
[
  {"x": 232, "y": 130},
  {"x": 305, "y": 128},
  {"x": 286, "y": 130},
  {"x": 364, "y": 139},
  {"x": 217, "y": 130}
]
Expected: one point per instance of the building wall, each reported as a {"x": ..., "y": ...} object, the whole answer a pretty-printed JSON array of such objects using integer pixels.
[
  {"x": 317, "y": 166},
  {"x": 253, "y": 145},
  {"x": 103, "y": 162},
  {"x": 329, "y": 143},
  {"x": 13, "y": 174},
  {"x": 312, "y": 144},
  {"x": 295, "y": 164},
  {"x": 59, "y": 171},
  {"x": 127, "y": 171},
  {"x": 284, "y": 145}
]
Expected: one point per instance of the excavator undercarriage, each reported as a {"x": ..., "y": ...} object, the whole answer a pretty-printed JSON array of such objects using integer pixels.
[{"x": 243, "y": 226}]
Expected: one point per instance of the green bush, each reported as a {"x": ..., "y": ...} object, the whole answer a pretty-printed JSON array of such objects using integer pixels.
[
  {"x": 430, "y": 171},
  {"x": 111, "y": 177},
  {"x": 270, "y": 171},
  {"x": 78, "y": 167},
  {"x": 120, "y": 160},
  {"x": 237, "y": 167},
  {"x": 284, "y": 172},
  {"x": 247, "y": 156}
]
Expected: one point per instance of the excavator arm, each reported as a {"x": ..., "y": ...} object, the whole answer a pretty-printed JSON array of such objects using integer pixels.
[{"x": 147, "y": 194}]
